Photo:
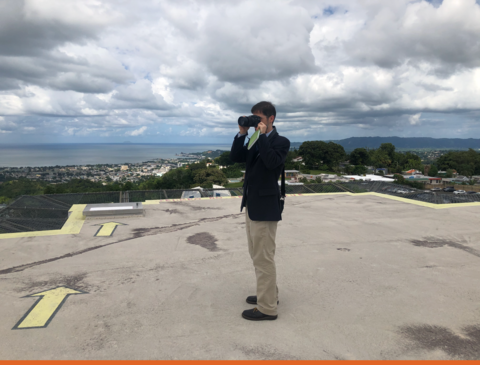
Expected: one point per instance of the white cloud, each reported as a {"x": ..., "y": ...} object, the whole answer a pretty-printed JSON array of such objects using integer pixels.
[
  {"x": 106, "y": 68},
  {"x": 10, "y": 105},
  {"x": 399, "y": 31},
  {"x": 199, "y": 132},
  {"x": 72, "y": 13},
  {"x": 7, "y": 126},
  {"x": 414, "y": 119},
  {"x": 136, "y": 132},
  {"x": 160, "y": 86}
]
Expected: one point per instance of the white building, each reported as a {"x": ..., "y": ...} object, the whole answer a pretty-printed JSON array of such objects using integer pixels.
[
  {"x": 195, "y": 192},
  {"x": 369, "y": 178}
]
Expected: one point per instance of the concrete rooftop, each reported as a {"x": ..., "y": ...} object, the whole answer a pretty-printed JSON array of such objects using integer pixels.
[{"x": 360, "y": 277}]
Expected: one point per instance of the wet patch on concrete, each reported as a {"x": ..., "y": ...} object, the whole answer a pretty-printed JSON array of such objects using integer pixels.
[
  {"x": 343, "y": 249},
  {"x": 464, "y": 346},
  {"x": 137, "y": 232},
  {"x": 205, "y": 240},
  {"x": 265, "y": 353},
  {"x": 76, "y": 281},
  {"x": 143, "y": 232},
  {"x": 100, "y": 333},
  {"x": 140, "y": 232},
  {"x": 434, "y": 242}
]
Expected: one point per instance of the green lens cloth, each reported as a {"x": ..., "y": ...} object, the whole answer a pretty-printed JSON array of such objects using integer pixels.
[{"x": 253, "y": 139}]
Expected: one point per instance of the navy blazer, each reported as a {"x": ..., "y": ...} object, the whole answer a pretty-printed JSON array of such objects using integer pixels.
[{"x": 264, "y": 165}]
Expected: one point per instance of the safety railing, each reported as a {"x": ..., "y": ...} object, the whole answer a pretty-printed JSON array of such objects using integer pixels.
[{"x": 48, "y": 212}]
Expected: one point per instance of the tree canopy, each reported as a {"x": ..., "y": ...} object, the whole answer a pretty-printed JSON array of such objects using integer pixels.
[
  {"x": 389, "y": 149},
  {"x": 224, "y": 159},
  {"x": 316, "y": 153},
  {"x": 464, "y": 162},
  {"x": 359, "y": 156},
  {"x": 433, "y": 171},
  {"x": 207, "y": 177}
]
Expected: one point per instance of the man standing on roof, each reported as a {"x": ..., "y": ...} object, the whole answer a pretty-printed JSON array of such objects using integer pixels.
[{"x": 261, "y": 199}]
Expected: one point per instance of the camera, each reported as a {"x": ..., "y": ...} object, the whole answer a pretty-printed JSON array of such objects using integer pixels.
[{"x": 250, "y": 121}]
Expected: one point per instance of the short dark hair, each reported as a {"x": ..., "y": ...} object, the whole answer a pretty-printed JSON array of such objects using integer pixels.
[{"x": 266, "y": 108}]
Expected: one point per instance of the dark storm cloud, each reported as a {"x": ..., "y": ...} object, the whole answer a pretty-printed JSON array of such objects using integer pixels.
[
  {"x": 24, "y": 32},
  {"x": 31, "y": 33},
  {"x": 61, "y": 72},
  {"x": 252, "y": 42}
]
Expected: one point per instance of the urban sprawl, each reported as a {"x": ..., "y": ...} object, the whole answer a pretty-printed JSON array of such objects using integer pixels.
[
  {"x": 134, "y": 172},
  {"x": 105, "y": 173}
]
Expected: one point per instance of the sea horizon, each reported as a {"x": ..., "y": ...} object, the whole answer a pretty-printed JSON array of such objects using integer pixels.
[{"x": 64, "y": 154}]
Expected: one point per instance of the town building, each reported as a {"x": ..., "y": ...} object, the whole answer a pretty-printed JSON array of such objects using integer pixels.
[
  {"x": 368, "y": 178},
  {"x": 291, "y": 175}
]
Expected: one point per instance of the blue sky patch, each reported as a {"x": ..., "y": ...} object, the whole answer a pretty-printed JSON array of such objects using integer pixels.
[{"x": 330, "y": 10}]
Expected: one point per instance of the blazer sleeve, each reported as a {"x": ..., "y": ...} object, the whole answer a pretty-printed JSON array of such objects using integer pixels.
[
  {"x": 273, "y": 156},
  {"x": 238, "y": 153}
]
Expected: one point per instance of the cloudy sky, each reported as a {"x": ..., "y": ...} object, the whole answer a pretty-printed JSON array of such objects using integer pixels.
[{"x": 183, "y": 71}]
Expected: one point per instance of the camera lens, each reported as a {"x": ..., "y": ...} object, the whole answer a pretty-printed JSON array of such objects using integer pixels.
[
  {"x": 250, "y": 121},
  {"x": 242, "y": 121}
]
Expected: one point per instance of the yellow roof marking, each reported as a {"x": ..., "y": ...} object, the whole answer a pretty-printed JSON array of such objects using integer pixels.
[{"x": 73, "y": 225}]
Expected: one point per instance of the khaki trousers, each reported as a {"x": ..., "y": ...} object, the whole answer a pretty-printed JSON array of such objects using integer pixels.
[{"x": 261, "y": 246}]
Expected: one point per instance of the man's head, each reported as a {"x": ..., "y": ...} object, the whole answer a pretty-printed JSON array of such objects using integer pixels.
[{"x": 266, "y": 111}]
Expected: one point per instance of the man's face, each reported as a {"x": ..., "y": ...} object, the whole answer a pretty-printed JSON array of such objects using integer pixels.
[{"x": 267, "y": 121}]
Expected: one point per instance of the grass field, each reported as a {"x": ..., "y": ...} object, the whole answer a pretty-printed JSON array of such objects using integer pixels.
[{"x": 234, "y": 185}]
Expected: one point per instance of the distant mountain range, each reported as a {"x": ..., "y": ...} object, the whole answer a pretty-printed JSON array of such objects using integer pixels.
[{"x": 350, "y": 144}]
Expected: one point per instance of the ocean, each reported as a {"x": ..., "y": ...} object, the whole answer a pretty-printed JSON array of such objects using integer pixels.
[{"x": 95, "y": 153}]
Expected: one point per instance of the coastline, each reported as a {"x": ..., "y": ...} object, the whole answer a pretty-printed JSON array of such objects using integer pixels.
[{"x": 81, "y": 154}]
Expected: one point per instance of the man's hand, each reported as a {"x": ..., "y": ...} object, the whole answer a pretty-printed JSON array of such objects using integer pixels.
[
  {"x": 262, "y": 127},
  {"x": 243, "y": 130}
]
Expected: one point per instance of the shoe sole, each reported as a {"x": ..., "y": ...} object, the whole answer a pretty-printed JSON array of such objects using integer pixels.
[
  {"x": 252, "y": 302},
  {"x": 272, "y": 318}
]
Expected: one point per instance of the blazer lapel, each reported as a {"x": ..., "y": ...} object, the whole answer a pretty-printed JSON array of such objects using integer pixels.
[
  {"x": 253, "y": 153},
  {"x": 272, "y": 135}
]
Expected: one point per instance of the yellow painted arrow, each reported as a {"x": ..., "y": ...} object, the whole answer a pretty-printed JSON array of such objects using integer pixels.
[
  {"x": 107, "y": 229},
  {"x": 44, "y": 309}
]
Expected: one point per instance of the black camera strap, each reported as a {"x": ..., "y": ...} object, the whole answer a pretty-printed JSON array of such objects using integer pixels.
[{"x": 281, "y": 202}]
